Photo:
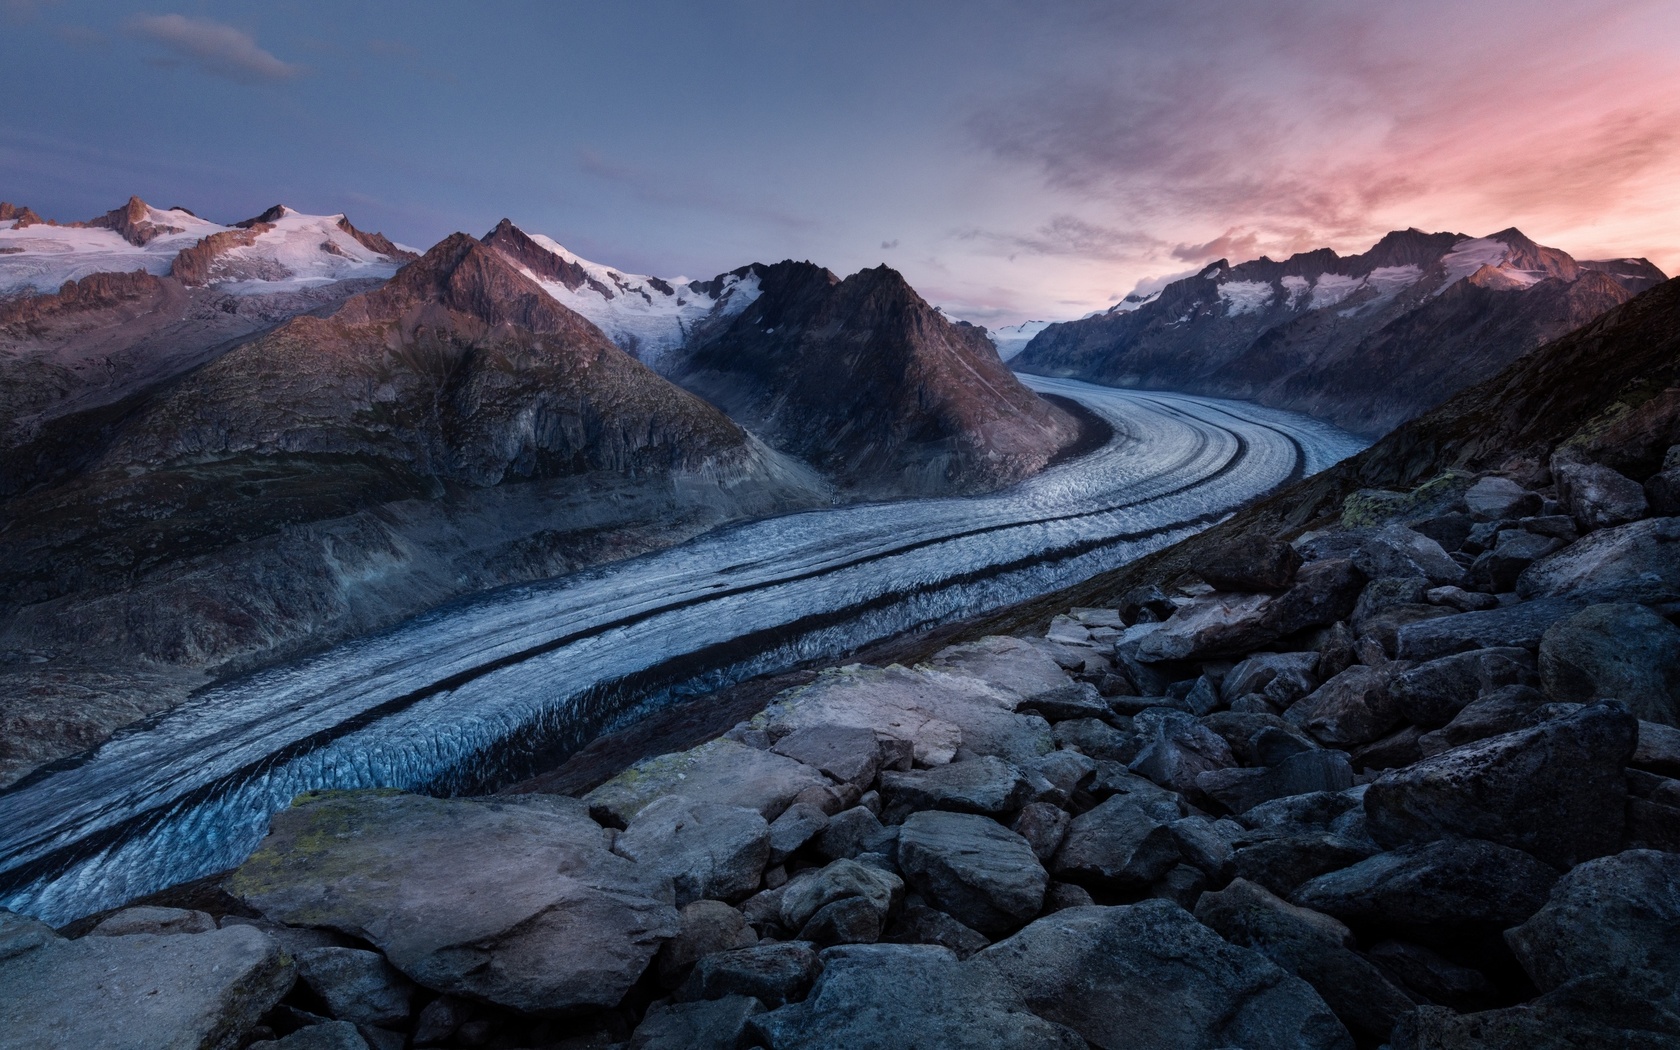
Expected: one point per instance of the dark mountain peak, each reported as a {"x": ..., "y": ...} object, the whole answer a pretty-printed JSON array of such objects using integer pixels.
[
  {"x": 1408, "y": 247},
  {"x": 133, "y": 223},
  {"x": 18, "y": 213},
  {"x": 376, "y": 242},
  {"x": 714, "y": 287},
  {"x": 267, "y": 218},
  {"x": 519, "y": 246},
  {"x": 1213, "y": 270},
  {"x": 466, "y": 276},
  {"x": 1636, "y": 275},
  {"x": 1536, "y": 258}
]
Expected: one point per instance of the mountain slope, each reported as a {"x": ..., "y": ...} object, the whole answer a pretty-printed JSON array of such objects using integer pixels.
[
  {"x": 863, "y": 379},
  {"x": 1366, "y": 341}
]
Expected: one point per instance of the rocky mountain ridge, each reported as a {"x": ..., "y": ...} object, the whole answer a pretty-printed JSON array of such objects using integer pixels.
[{"x": 1366, "y": 341}]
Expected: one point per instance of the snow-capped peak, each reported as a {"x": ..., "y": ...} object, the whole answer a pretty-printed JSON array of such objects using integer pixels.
[
  {"x": 1012, "y": 339},
  {"x": 647, "y": 317}
]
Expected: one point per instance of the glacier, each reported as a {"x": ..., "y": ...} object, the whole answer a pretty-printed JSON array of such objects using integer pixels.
[{"x": 487, "y": 690}]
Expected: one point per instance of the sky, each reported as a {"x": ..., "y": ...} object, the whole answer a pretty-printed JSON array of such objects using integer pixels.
[{"x": 1014, "y": 160}]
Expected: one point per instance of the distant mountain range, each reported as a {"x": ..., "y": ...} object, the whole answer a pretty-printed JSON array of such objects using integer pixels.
[{"x": 1365, "y": 341}]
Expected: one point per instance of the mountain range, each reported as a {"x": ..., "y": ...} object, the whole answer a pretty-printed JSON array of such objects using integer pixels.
[{"x": 1365, "y": 341}]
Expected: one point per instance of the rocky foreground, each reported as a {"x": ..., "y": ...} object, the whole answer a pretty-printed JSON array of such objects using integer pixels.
[{"x": 1411, "y": 780}]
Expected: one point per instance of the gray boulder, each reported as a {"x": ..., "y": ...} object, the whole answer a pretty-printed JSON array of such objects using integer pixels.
[
  {"x": 1097, "y": 739},
  {"x": 979, "y": 785},
  {"x": 1043, "y": 826},
  {"x": 1120, "y": 845},
  {"x": 771, "y": 973},
  {"x": 1150, "y": 977},
  {"x": 1435, "y": 884},
  {"x": 705, "y": 927},
  {"x": 357, "y": 986},
  {"x": 1606, "y": 916},
  {"x": 1639, "y": 562},
  {"x": 1217, "y": 625},
  {"x": 1556, "y": 790},
  {"x": 919, "y": 924},
  {"x": 543, "y": 918},
  {"x": 849, "y": 754},
  {"x": 1498, "y": 569},
  {"x": 840, "y": 880},
  {"x": 1305, "y": 772},
  {"x": 1501, "y": 711},
  {"x": 1256, "y": 672},
  {"x": 707, "y": 850},
  {"x": 717, "y": 1024},
  {"x": 329, "y": 1035},
  {"x": 798, "y": 824},
  {"x": 1431, "y": 693},
  {"x": 1350, "y": 709},
  {"x": 1494, "y": 497},
  {"x": 852, "y": 832},
  {"x": 1633, "y": 1011},
  {"x": 202, "y": 991},
  {"x": 1282, "y": 858},
  {"x": 1398, "y": 551},
  {"x": 1313, "y": 947},
  {"x": 978, "y": 871},
  {"x": 1615, "y": 651},
  {"x": 147, "y": 919},
  {"x": 1176, "y": 749},
  {"x": 907, "y": 996},
  {"x": 1433, "y": 976},
  {"x": 1251, "y": 562},
  {"x": 1520, "y": 625},
  {"x": 1598, "y": 497},
  {"x": 721, "y": 772}
]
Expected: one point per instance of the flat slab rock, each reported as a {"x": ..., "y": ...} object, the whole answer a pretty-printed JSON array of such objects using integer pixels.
[
  {"x": 1148, "y": 976},
  {"x": 516, "y": 903},
  {"x": 936, "y": 712},
  {"x": 720, "y": 771},
  {"x": 199, "y": 991},
  {"x": 1012, "y": 666}
]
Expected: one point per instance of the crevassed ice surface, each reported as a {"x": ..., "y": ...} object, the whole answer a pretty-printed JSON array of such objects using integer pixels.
[{"x": 471, "y": 694}]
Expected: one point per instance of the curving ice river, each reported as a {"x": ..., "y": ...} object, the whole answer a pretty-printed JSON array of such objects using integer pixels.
[{"x": 487, "y": 690}]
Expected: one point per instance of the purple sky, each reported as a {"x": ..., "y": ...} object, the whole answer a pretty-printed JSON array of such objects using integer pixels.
[{"x": 1014, "y": 160}]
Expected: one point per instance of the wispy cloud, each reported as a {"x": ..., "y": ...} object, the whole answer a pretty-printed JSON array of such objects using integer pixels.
[
  {"x": 213, "y": 47},
  {"x": 1066, "y": 236}
]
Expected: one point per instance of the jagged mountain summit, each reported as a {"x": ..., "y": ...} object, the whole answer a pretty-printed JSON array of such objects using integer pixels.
[
  {"x": 1010, "y": 340},
  {"x": 1365, "y": 341},
  {"x": 866, "y": 380},
  {"x": 648, "y": 317}
]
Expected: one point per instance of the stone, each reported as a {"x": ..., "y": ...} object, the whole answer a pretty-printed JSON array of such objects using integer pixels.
[
  {"x": 1251, "y": 562},
  {"x": 850, "y": 920},
  {"x": 717, "y": 1024},
  {"x": 357, "y": 986},
  {"x": 1555, "y": 790},
  {"x": 1146, "y": 604},
  {"x": 1662, "y": 492},
  {"x": 841, "y": 880},
  {"x": 1183, "y": 885},
  {"x": 1118, "y": 845},
  {"x": 1625, "y": 1012},
  {"x": 1017, "y": 668},
  {"x": 1501, "y": 711},
  {"x": 1606, "y": 916},
  {"x": 1299, "y": 774},
  {"x": 1319, "y": 809},
  {"x": 1428, "y": 974},
  {"x": 771, "y": 973},
  {"x": 1043, "y": 826},
  {"x": 1494, "y": 497},
  {"x": 829, "y": 798},
  {"x": 1432, "y": 693},
  {"x": 1639, "y": 562},
  {"x": 187, "y": 991},
  {"x": 721, "y": 772},
  {"x": 973, "y": 869},
  {"x": 798, "y": 824},
  {"x": 1312, "y": 946},
  {"x": 851, "y": 832},
  {"x": 981, "y": 785},
  {"x": 1324, "y": 593},
  {"x": 1598, "y": 497},
  {"x": 1258, "y": 671},
  {"x": 1066, "y": 771},
  {"x": 1098, "y": 739},
  {"x": 1441, "y": 884},
  {"x": 1382, "y": 630},
  {"x": 1520, "y": 625},
  {"x": 544, "y": 918},
  {"x": 908, "y": 995},
  {"x": 1350, "y": 709},
  {"x": 1658, "y": 749},
  {"x": 147, "y": 919},
  {"x": 1148, "y": 976},
  {"x": 706, "y": 850},
  {"x": 1399, "y": 748},
  {"x": 1281, "y": 859},
  {"x": 1385, "y": 593},
  {"x": 329, "y": 1035},
  {"x": 936, "y": 712},
  {"x": 1114, "y": 780},
  {"x": 440, "y": 1019},
  {"x": 1219, "y": 625},
  {"x": 1080, "y": 700},
  {"x": 849, "y": 754},
  {"x": 1240, "y": 730},
  {"x": 1202, "y": 846},
  {"x": 1615, "y": 651},
  {"x": 1497, "y": 570},
  {"x": 919, "y": 924},
  {"x": 1461, "y": 600},
  {"x": 1176, "y": 749},
  {"x": 1338, "y": 651},
  {"x": 1398, "y": 551},
  {"x": 705, "y": 927},
  {"x": 1450, "y": 530}
]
